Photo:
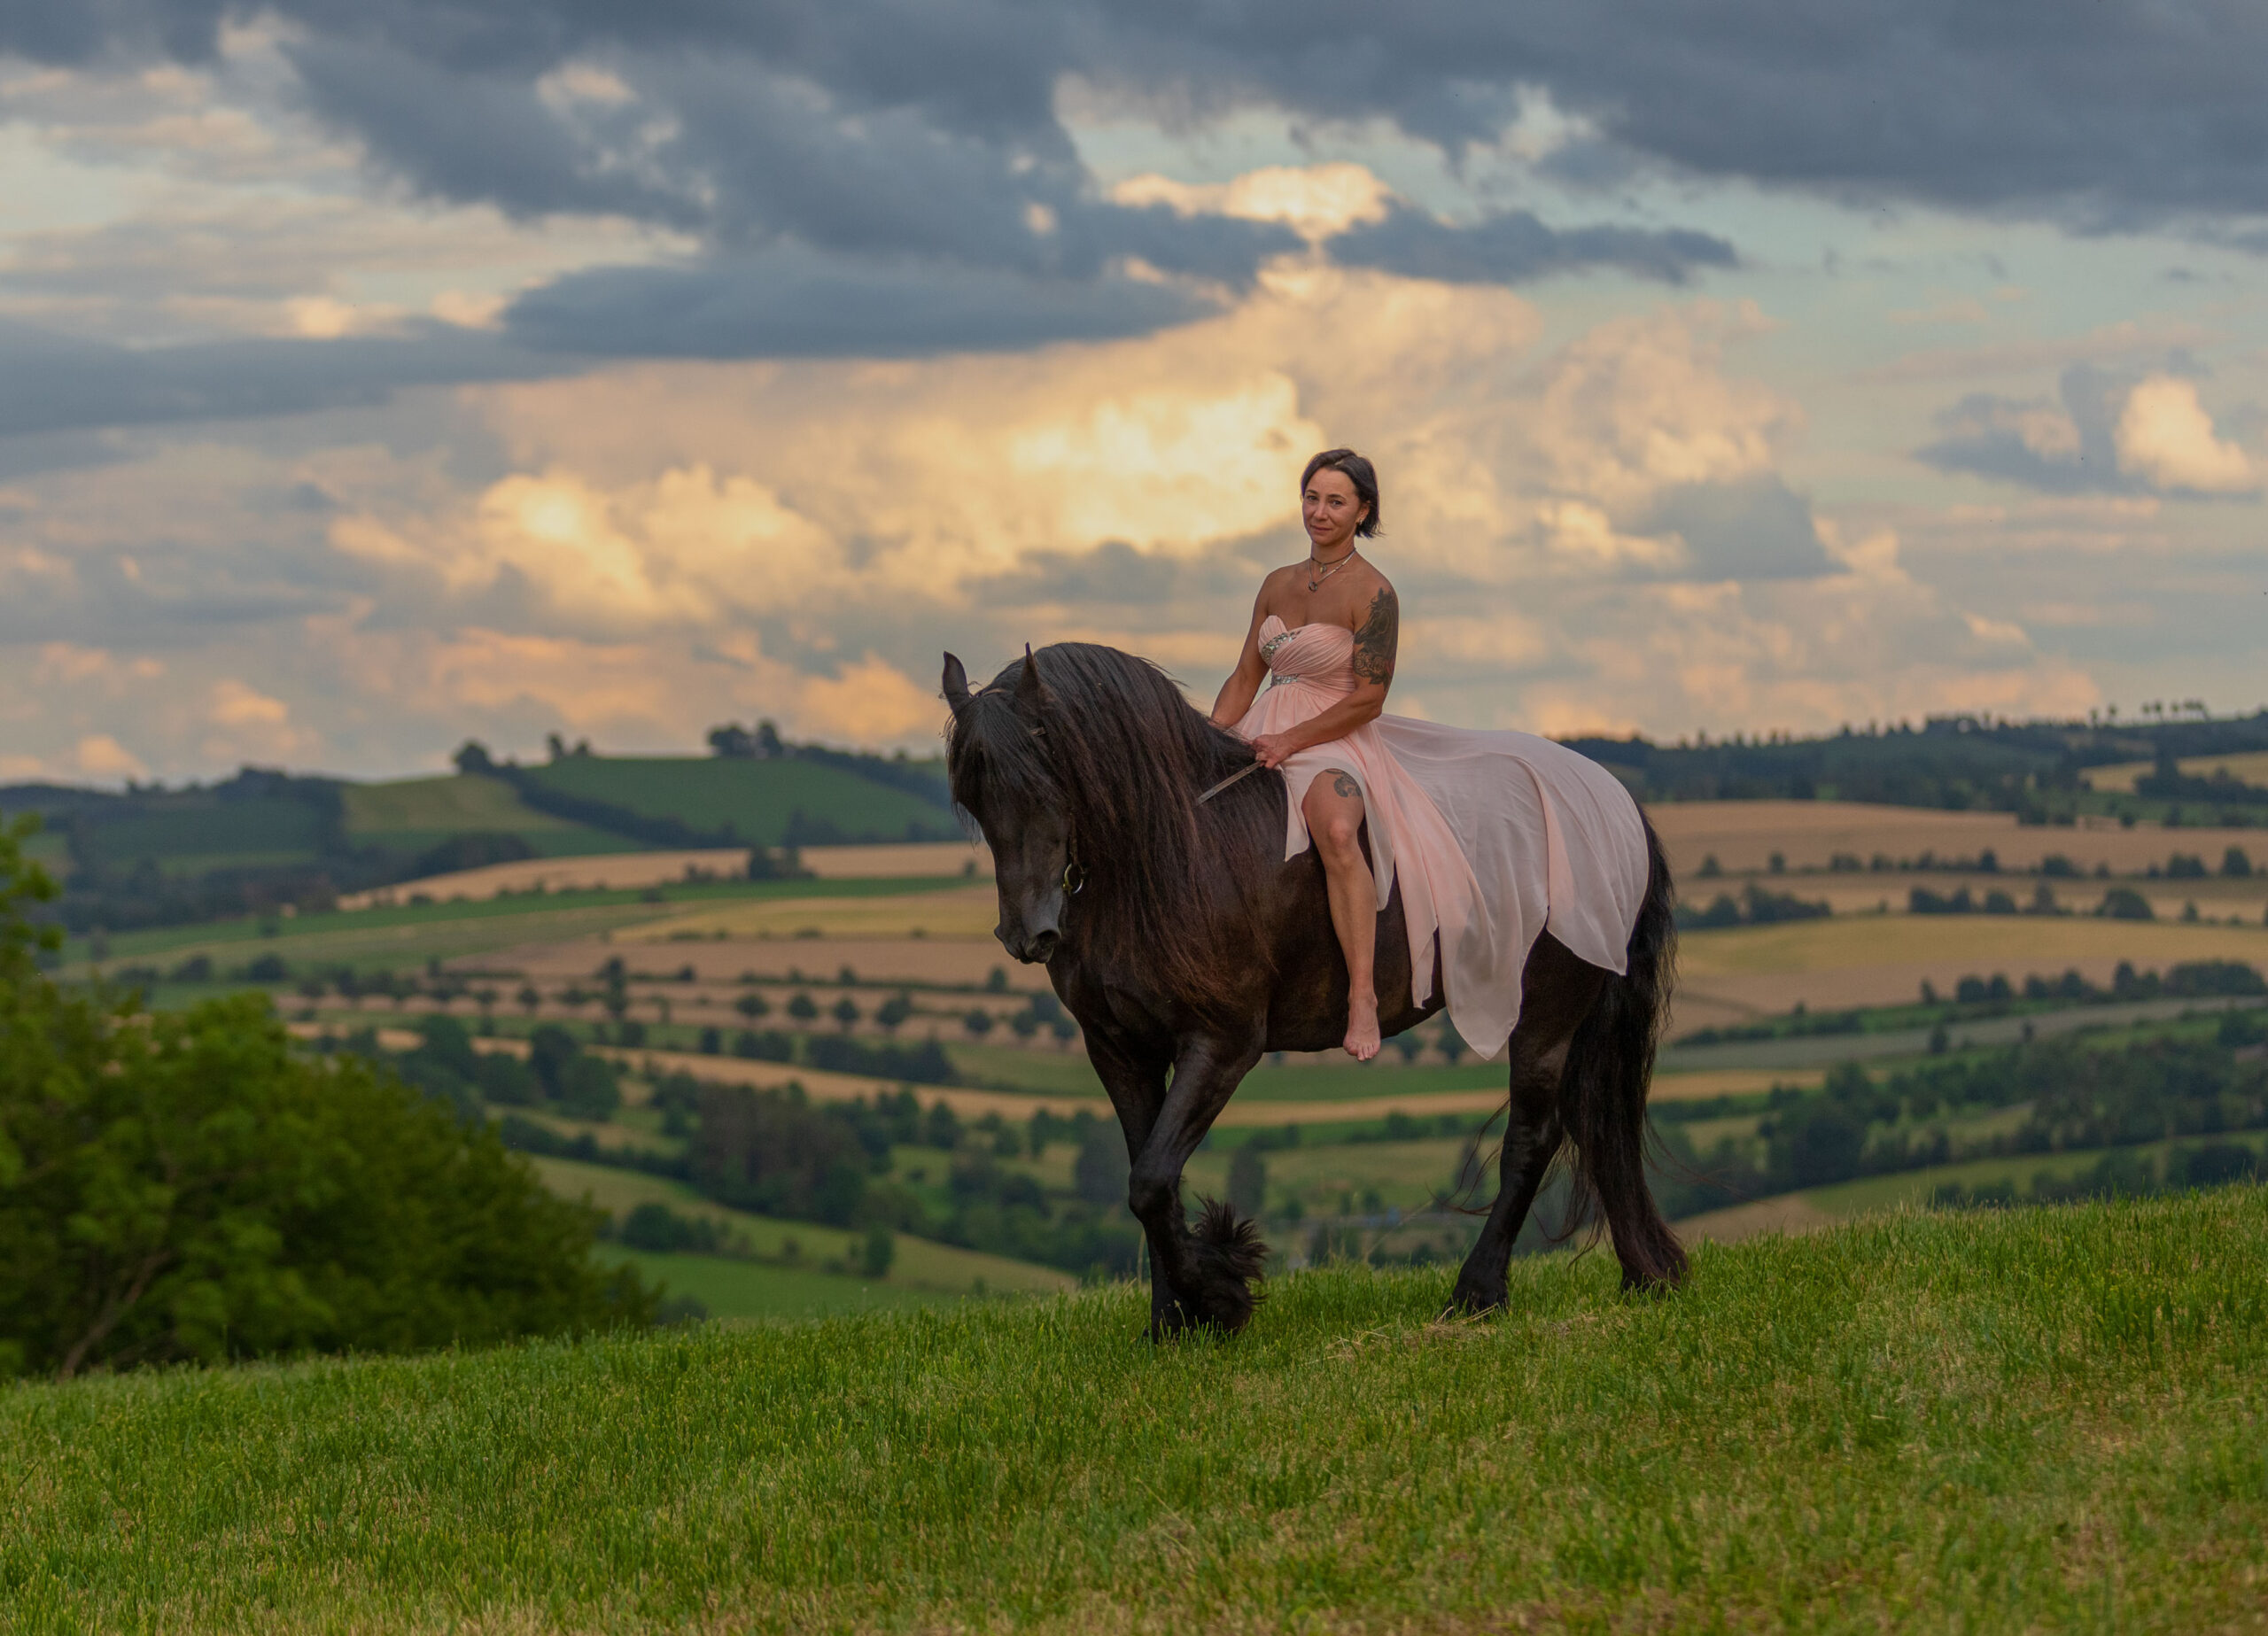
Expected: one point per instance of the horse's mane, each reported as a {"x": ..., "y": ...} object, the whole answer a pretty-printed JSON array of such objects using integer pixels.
[{"x": 1124, "y": 755}]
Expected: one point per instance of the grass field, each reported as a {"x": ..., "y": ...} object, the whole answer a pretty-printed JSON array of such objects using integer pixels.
[
  {"x": 751, "y": 1290},
  {"x": 2251, "y": 768},
  {"x": 2003, "y": 1421},
  {"x": 919, "y": 1265},
  {"x": 956, "y": 911},
  {"x": 410, "y": 815},
  {"x": 756, "y": 797}
]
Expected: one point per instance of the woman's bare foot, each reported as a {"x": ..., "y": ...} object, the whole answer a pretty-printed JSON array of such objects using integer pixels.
[{"x": 1361, "y": 1028}]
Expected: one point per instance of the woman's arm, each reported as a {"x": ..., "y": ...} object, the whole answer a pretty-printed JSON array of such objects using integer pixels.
[
  {"x": 1376, "y": 641},
  {"x": 1243, "y": 685}
]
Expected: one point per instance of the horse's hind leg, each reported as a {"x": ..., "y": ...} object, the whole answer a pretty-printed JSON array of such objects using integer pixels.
[
  {"x": 1558, "y": 991},
  {"x": 1532, "y": 1133}
]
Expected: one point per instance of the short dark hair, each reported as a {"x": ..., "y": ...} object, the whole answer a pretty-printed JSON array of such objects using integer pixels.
[{"x": 1357, "y": 471}]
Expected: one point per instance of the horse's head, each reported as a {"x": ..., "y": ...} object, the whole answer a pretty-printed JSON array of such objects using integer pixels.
[{"x": 1004, "y": 778}]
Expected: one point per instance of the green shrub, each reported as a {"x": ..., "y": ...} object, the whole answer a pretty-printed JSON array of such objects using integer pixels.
[{"x": 185, "y": 1187}]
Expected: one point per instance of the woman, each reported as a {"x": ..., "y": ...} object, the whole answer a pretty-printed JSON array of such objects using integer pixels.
[
  {"x": 1558, "y": 841},
  {"x": 1329, "y": 627}
]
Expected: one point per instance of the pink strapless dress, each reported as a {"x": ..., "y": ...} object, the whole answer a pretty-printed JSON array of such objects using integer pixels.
[{"x": 1492, "y": 836}]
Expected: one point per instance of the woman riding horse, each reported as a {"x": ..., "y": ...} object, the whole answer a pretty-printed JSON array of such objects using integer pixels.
[{"x": 1175, "y": 902}]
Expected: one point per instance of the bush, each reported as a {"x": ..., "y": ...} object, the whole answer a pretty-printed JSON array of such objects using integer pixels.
[
  {"x": 182, "y": 1188},
  {"x": 588, "y": 1090},
  {"x": 656, "y": 1228},
  {"x": 2124, "y": 903},
  {"x": 878, "y": 1252}
]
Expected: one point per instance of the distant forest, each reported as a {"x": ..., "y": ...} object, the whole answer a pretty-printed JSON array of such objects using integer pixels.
[{"x": 2035, "y": 770}]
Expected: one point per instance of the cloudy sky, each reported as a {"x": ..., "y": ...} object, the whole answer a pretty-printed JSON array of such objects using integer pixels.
[{"x": 373, "y": 374}]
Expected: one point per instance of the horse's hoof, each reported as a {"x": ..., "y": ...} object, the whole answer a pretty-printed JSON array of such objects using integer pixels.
[{"x": 1468, "y": 1302}]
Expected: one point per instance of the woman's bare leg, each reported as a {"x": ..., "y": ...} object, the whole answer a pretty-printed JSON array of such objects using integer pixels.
[{"x": 1333, "y": 807}]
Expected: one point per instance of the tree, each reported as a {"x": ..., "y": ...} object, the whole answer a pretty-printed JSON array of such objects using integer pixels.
[
  {"x": 802, "y": 1008},
  {"x": 892, "y": 1013},
  {"x": 879, "y": 1250},
  {"x": 978, "y": 1022},
  {"x": 2236, "y": 863},
  {"x": 1099, "y": 1173},
  {"x": 472, "y": 757},
  {"x": 531, "y": 998},
  {"x": 1451, "y": 1042},
  {"x": 184, "y": 1187},
  {"x": 752, "y": 1005},
  {"x": 846, "y": 1013},
  {"x": 1247, "y": 1181}
]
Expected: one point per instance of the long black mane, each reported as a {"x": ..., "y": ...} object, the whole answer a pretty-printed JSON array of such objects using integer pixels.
[{"x": 1118, "y": 750}]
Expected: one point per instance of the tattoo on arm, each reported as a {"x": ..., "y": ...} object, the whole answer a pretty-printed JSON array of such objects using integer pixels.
[
  {"x": 1375, "y": 641},
  {"x": 1344, "y": 786}
]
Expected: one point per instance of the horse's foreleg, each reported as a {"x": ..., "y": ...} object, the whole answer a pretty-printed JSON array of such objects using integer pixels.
[
  {"x": 1532, "y": 1133},
  {"x": 1193, "y": 1281},
  {"x": 1137, "y": 1086}
]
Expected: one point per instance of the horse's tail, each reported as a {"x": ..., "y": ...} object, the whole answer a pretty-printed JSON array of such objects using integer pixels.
[{"x": 1603, "y": 1094}]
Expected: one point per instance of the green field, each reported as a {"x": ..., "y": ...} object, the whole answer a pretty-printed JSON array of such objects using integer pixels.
[
  {"x": 919, "y": 1267},
  {"x": 411, "y": 815},
  {"x": 193, "y": 835},
  {"x": 751, "y": 1290},
  {"x": 756, "y": 798},
  {"x": 1998, "y": 1421}
]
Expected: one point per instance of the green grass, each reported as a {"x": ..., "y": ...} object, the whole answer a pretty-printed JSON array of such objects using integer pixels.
[
  {"x": 209, "y": 834},
  {"x": 921, "y": 1264},
  {"x": 756, "y": 797},
  {"x": 413, "y": 815},
  {"x": 751, "y": 1290},
  {"x": 2004, "y": 1421}
]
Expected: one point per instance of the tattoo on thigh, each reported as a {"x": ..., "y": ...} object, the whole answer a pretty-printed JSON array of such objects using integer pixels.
[{"x": 1344, "y": 785}]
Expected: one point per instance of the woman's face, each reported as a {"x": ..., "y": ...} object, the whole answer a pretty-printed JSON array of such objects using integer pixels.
[{"x": 1331, "y": 510}]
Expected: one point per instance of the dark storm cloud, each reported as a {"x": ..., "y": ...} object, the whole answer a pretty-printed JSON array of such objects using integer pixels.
[
  {"x": 1755, "y": 529},
  {"x": 2105, "y": 115},
  {"x": 51, "y": 383},
  {"x": 1513, "y": 246},
  {"x": 792, "y": 305}
]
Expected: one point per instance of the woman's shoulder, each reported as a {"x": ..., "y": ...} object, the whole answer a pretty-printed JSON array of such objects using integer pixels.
[{"x": 1365, "y": 586}]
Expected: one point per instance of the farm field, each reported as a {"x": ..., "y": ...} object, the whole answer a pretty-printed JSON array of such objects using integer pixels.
[
  {"x": 2041, "y": 1419},
  {"x": 921, "y": 1265},
  {"x": 756, "y": 799},
  {"x": 412, "y": 815},
  {"x": 751, "y": 1290},
  {"x": 1742, "y": 835},
  {"x": 1824, "y": 1206},
  {"x": 2248, "y": 768},
  {"x": 1883, "y": 960},
  {"x": 954, "y": 909}
]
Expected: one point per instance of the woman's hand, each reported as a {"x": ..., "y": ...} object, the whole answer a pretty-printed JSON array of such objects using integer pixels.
[{"x": 1272, "y": 749}]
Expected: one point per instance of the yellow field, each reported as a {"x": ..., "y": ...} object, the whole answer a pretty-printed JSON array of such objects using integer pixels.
[
  {"x": 1882, "y": 959},
  {"x": 1742, "y": 835},
  {"x": 2250, "y": 768},
  {"x": 621, "y": 871}
]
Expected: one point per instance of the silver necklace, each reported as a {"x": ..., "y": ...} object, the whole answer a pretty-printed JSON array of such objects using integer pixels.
[{"x": 1315, "y": 581}]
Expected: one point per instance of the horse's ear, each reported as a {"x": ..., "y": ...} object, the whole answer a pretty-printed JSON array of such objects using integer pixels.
[
  {"x": 956, "y": 684},
  {"x": 1029, "y": 694}
]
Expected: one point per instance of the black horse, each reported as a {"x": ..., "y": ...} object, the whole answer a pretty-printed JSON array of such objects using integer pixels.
[{"x": 1187, "y": 946}]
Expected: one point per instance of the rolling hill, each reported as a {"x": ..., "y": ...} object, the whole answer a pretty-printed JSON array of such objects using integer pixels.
[{"x": 1995, "y": 1420}]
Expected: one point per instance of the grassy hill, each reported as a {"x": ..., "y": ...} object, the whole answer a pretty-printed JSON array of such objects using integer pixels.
[
  {"x": 754, "y": 801},
  {"x": 412, "y": 816},
  {"x": 2020, "y": 1420}
]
